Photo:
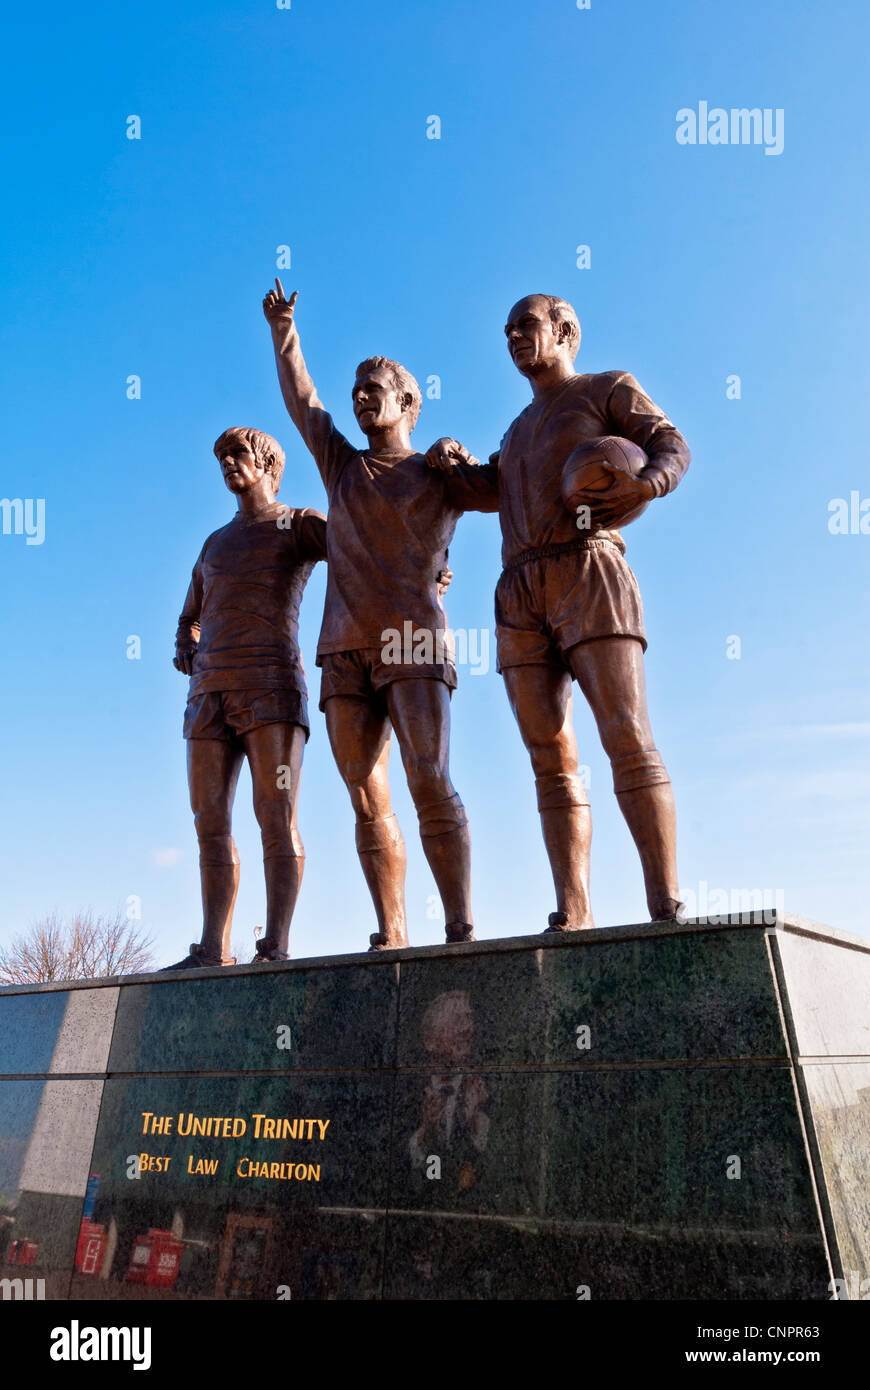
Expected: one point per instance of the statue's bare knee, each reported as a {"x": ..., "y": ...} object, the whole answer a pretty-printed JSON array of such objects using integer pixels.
[{"x": 276, "y": 818}]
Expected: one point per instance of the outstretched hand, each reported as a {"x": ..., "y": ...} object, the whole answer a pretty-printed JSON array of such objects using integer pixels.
[
  {"x": 277, "y": 308},
  {"x": 444, "y": 453}
]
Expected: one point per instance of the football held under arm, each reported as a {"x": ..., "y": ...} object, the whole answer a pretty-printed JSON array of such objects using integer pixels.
[{"x": 634, "y": 416}]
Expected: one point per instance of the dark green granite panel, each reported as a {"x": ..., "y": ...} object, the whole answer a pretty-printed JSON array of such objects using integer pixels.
[
  {"x": 43, "y": 1223},
  {"x": 268, "y": 1252},
  {"x": 469, "y": 1143},
  {"x": 671, "y": 997},
  {"x": 310, "y": 1221},
  {"x": 29, "y": 1028},
  {"x": 655, "y": 1147},
  {"x": 440, "y": 1257},
  {"x": 348, "y": 1144},
  {"x": 649, "y": 1147},
  {"x": 472, "y": 1010},
  {"x": 664, "y": 1160},
  {"x": 685, "y": 996},
  {"x": 268, "y": 1021},
  {"x": 50, "y": 1221},
  {"x": 19, "y": 1106}
]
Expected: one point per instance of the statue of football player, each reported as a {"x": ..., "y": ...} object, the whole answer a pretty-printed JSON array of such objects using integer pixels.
[
  {"x": 391, "y": 519},
  {"x": 238, "y": 641},
  {"x": 568, "y": 606}
]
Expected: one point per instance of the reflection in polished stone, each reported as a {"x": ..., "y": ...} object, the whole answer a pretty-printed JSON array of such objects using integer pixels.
[
  {"x": 344, "y": 1017},
  {"x": 232, "y": 1187},
  {"x": 686, "y": 995},
  {"x": 616, "y": 1117},
  {"x": 29, "y": 1031},
  {"x": 46, "y": 1136},
  {"x": 678, "y": 995},
  {"x": 437, "y": 1257}
]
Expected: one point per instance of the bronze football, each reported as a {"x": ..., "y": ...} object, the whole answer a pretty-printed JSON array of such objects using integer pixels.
[{"x": 591, "y": 467}]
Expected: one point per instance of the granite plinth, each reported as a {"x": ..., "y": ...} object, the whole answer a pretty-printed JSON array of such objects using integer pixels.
[{"x": 658, "y": 1111}]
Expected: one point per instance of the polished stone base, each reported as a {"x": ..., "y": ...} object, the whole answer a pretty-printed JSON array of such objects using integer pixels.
[{"x": 659, "y": 1111}]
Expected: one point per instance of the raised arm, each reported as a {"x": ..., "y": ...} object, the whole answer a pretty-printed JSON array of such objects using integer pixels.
[
  {"x": 306, "y": 410},
  {"x": 187, "y": 633}
]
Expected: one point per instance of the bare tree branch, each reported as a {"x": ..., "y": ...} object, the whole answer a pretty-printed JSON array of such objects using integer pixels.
[{"x": 87, "y": 947}]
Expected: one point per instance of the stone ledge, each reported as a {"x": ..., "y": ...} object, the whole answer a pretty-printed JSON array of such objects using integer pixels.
[{"x": 784, "y": 922}]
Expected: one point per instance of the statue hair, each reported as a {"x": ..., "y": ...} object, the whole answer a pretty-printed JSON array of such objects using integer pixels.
[
  {"x": 561, "y": 311},
  {"x": 264, "y": 448},
  {"x": 403, "y": 382}
]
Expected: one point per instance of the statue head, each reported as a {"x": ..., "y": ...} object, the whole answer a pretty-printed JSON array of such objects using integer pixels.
[
  {"x": 541, "y": 330},
  {"x": 383, "y": 392},
  {"x": 245, "y": 455}
]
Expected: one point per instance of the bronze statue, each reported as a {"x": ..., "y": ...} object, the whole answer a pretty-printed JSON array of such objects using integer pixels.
[
  {"x": 391, "y": 519},
  {"x": 237, "y": 639},
  {"x": 567, "y": 604}
]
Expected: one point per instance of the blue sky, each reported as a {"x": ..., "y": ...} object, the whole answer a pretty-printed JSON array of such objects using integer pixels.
[{"x": 306, "y": 127}]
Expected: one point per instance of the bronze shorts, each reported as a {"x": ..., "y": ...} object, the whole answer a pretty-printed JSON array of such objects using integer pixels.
[
  {"x": 548, "y": 604},
  {"x": 230, "y": 714},
  {"x": 364, "y": 674}
]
